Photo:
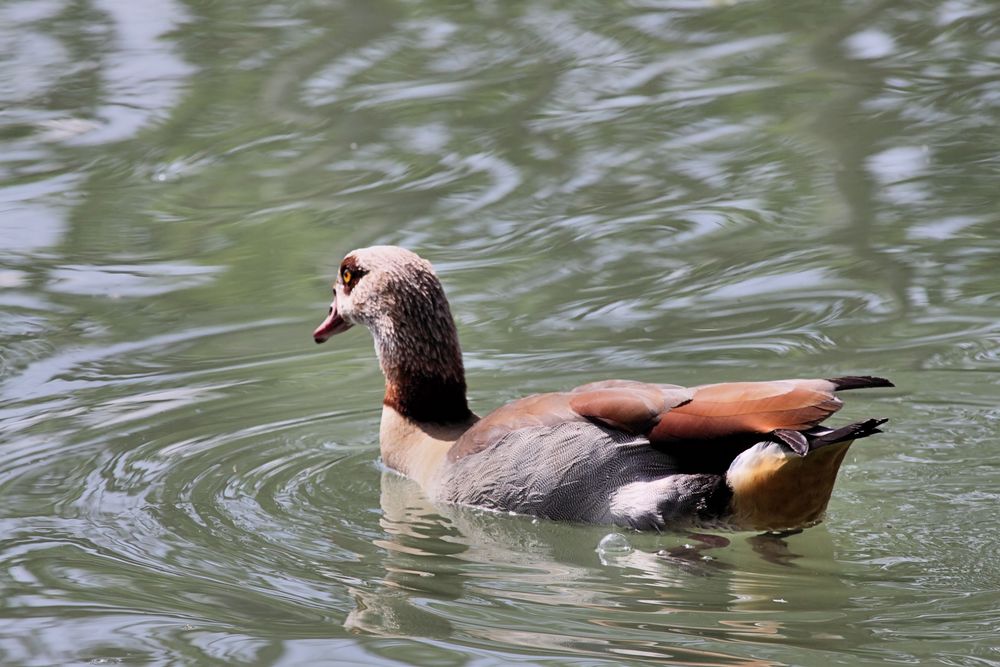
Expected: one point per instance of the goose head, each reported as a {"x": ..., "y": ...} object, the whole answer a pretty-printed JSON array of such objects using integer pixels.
[
  {"x": 376, "y": 287},
  {"x": 396, "y": 295}
]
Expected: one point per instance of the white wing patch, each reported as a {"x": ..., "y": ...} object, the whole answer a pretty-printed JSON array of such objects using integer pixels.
[{"x": 638, "y": 503}]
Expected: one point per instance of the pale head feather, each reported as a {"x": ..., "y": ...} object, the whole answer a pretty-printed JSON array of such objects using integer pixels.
[{"x": 401, "y": 301}]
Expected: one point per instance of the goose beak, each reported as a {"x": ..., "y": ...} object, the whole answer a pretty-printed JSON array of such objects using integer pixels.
[{"x": 331, "y": 326}]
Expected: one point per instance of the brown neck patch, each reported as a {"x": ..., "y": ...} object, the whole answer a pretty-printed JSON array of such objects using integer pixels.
[{"x": 428, "y": 399}]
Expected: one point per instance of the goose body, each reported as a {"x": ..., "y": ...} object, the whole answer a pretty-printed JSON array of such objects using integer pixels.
[{"x": 739, "y": 455}]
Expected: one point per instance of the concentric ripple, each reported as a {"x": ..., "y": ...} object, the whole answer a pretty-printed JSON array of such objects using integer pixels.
[{"x": 663, "y": 190}]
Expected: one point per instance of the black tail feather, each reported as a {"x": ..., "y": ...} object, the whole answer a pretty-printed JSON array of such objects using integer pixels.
[
  {"x": 859, "y": 382},
  {"x": 850, "y": 432}
]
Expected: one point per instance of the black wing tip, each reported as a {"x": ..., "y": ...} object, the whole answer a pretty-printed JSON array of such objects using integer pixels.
[
  {"x": 859, "y": 382},
  {"x": 854, "y": 431},
  {"x": 870, "y": 426}
]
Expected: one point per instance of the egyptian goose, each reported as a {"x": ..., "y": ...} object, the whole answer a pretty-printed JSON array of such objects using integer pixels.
[{"x": 737, "y": 455}]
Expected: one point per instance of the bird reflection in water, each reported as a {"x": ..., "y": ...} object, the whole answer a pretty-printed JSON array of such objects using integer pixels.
[{"x": 484, "y": 579}]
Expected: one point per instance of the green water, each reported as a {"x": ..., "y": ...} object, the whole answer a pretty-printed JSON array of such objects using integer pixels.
[{"x": 680, "y": 191}]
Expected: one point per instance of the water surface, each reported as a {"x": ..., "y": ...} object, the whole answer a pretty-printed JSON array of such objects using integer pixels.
[{"x": 674, "y": 191}]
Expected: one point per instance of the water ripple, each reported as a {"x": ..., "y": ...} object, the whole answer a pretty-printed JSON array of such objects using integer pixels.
[{"x": 668, "y": 190}]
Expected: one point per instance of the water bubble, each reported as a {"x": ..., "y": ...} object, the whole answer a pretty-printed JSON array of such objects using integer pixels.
[{"x": 613, "y": 544}]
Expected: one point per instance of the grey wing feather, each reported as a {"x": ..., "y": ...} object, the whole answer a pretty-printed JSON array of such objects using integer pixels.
[{"x": 564, "y": 471}]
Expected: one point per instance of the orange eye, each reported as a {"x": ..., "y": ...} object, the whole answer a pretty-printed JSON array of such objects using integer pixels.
[{"x": 347, "y": 276}]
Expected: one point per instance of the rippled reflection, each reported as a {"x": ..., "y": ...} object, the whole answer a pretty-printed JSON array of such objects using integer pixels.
[
  {"x": 657, "y": 189},
  {"x": 522, "y": 582}
]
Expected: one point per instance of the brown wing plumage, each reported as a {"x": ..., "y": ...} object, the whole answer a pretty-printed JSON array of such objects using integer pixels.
[
  {"x": 733, "y": 409},
  {"x": 634, "y": 407},
  {"x": 728, "y": 413},
  {"x": 537, "y": 410},
  {"x": 723, "y": 410}
]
